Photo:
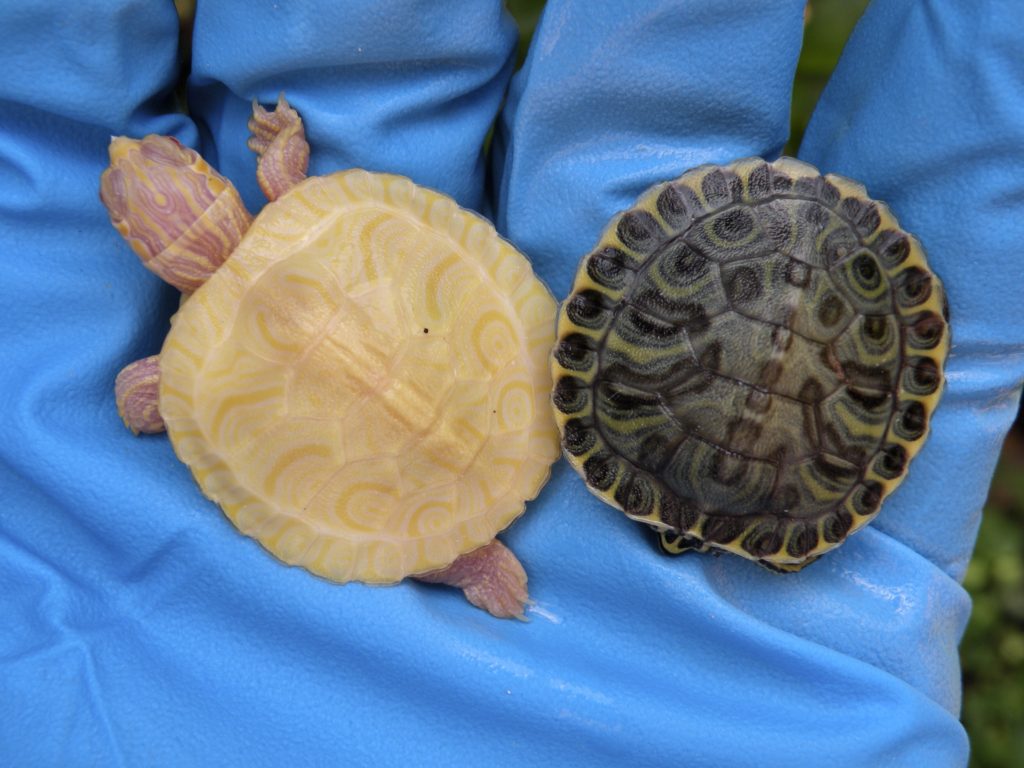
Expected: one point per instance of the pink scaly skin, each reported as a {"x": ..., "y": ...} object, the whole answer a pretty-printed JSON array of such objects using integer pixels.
[
  {"x": 491, "y": 577},
  {"x": 183, "y": 219}
]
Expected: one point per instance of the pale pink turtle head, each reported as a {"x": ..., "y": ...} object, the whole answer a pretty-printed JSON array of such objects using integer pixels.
[
  {"x": 179, "y": 215},
  {"x": 334, "y": 326}
]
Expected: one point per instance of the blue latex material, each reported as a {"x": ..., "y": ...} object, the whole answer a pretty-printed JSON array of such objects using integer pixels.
[{"x": 138, "y": 628}]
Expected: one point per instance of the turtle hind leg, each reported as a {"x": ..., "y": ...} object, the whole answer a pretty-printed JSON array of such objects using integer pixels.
[
  {"x": 491, "y": 577},
  {"x": 675, "y": 543}
]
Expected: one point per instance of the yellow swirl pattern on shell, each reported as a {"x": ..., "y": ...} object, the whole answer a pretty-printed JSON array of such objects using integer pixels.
[{"x": 364, "y": 386}]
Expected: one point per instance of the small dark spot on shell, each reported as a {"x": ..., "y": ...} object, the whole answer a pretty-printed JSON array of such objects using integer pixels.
[
  {"x": 744, "y": 432},
  {"x": 782, "y": 338},
  {"x": 772, "y": 372}
]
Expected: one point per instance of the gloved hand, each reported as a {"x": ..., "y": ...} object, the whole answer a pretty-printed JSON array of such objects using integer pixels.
[{"x": 138, "y": 627}]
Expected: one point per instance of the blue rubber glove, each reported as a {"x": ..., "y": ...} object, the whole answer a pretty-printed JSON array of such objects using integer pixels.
[{"x": 138, "y": 627}]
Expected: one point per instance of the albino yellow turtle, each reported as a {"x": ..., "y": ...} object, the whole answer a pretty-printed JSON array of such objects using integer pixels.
[{"x": 360, "y": 375}]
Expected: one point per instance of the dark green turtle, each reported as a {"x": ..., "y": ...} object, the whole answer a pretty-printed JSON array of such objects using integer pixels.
[{"x": 748, "y": 360}]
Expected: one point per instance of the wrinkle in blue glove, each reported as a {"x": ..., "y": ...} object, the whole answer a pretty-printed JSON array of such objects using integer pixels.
[{"x": 140, "y": 628}]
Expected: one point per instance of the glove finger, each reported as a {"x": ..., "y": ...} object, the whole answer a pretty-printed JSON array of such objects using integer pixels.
[
  {"x": 71, "y": 302},
  {"x": 617, "y": 96},
  {"x": 926, "y": 108},
  {"x": 593, "y": 119},
  {"x": 382, "y": 86}
]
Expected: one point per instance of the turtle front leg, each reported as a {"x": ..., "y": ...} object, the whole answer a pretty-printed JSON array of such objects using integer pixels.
[
  {"x": 491, "y": 577},
  {"x": 279, "y": 141}
]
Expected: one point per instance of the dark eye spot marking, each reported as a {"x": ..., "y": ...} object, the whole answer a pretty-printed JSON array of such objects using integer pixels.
[{"x": 866, "y": 272}]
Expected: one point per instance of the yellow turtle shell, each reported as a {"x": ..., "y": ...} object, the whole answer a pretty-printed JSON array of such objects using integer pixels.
[{"x": 363, "y": 386}]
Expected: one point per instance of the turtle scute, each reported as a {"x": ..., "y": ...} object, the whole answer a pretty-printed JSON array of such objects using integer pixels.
[
  {"x": 748, "y": 360},
  {"x": 364, "y": 385}
]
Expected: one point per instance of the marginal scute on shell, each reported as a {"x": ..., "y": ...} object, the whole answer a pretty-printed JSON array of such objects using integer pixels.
[{"x": 748, "y": 360}]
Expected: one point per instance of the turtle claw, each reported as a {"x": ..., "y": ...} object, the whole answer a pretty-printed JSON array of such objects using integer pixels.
[{"x": 279, "y": 141}]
